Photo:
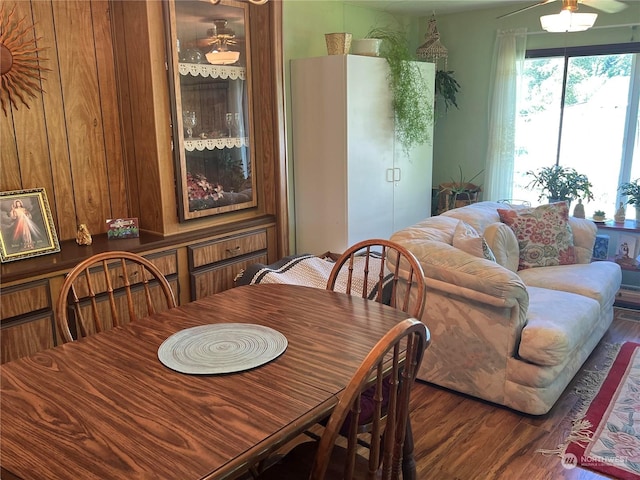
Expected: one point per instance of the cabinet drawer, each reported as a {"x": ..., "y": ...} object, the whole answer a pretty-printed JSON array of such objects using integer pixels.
[
  {"x": 26, "y": 337},
  {"x": 165, "y": 261},
  {"x": 226, "y": 248},
  {"x": 25, "y": 298},
  {"x": 214, "y": 280}
]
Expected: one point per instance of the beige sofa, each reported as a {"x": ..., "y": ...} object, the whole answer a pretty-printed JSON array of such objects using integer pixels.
[{"x": 512, "y": 337}]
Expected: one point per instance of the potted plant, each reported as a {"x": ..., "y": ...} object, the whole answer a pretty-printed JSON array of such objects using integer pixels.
[
  {"x": 632, "y": 191},
  {"x": 411, "y": 106},
  {"x": 559, "y": 183},
  {"x": 460, "y": 192},
  {"x": 599, "y": 216},
  {"x": 446, "y": 88}
]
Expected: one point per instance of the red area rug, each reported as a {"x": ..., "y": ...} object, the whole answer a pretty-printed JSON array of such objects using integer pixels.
[{"x": 606, "y": 438}]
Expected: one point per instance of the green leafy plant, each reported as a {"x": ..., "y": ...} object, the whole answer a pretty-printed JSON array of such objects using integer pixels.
[
  {"x": 411, "y": 106},
  {"x": 599, "y": 213},
  {"x": 632, "y": 191},
  {"x": 561, "y": 183},
  {"x": 461, "y": 189},
  {"x": 447, "y": 88}
]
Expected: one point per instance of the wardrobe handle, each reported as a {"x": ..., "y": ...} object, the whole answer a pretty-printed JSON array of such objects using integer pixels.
[{"x": 390, "y": 174}]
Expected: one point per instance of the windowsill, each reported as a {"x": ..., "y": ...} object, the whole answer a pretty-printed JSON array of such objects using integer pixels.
[{"x": 628, "y": 225}]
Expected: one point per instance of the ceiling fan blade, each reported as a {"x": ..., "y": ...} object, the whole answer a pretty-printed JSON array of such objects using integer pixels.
[
  {"x": 607, "y": 6},
  {"x": 543, "y": 2}
]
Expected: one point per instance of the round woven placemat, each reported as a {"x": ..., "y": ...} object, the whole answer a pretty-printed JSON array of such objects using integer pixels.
[{"x": 221, "y": 348}]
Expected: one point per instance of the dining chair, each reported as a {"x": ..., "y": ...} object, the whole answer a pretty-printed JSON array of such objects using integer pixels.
[
  {"x": 386, "y": 269},
  {"x": 393, "y": 361},
  {"x": 388, "y": 273},
  {"x": 108, "y": 290}
]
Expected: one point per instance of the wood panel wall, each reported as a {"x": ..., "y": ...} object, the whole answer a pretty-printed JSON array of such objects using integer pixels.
[{"x": 69, "y": 139}]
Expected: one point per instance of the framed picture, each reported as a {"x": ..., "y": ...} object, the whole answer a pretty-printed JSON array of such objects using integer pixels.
[{"x": 26, "y": 225}]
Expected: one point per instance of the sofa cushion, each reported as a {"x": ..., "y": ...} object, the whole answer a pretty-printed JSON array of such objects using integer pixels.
[
  {"x": 584, "y": 238},
  {"x": 503, "y": 244},
  {"x": 467, "y": 239},
  {"x": 543, "y": 234},
  {"x": 557, "y": 324},
  {"x": 598, "y": 280}
]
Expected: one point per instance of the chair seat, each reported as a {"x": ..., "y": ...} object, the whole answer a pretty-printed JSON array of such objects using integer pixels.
[
  {"x": 296, "y": 465},
  {"x": 368, "y": 407}
]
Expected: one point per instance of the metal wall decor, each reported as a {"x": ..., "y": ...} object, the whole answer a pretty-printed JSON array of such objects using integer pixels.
[{"x": 19, "y": 66}]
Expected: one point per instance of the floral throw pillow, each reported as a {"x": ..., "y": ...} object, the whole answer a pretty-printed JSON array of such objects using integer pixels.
[
  {"x": 544, "y": 235},
  {"x": 467, "y": 239}
]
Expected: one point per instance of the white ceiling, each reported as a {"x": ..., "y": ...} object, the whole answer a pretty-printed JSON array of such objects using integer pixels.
[{"x": 425, "y": 7}]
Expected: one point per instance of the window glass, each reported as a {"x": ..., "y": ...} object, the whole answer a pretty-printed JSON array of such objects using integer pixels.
[
  {"x": 573, "y": 111},
  {"x": 537, "y": 122}
]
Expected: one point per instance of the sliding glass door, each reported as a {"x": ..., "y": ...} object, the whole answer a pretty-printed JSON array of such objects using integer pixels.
[{"x": 579, "y": 108}]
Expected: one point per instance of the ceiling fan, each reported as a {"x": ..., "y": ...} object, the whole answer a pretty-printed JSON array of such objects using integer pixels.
[
  {"x": 606, "y": 6},
  {"x": 220, "y": 37},
  {"x": 220, "y": 34}
]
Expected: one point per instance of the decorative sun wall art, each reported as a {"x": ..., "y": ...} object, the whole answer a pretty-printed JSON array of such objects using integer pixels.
[{"x": 19, "y": 67}]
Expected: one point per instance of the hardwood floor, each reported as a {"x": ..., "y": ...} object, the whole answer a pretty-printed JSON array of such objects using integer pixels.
[{"x": 461, "y": 438}]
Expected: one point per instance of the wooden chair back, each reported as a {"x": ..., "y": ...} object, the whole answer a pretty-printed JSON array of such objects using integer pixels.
[
  {"x": 384, "y": 264},
  {"x": 394, "y": 360},
  {"x": 110, "y": 289}
]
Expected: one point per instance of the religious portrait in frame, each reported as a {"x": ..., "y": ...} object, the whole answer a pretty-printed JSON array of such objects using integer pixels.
[{"x": 26, "y": 225}]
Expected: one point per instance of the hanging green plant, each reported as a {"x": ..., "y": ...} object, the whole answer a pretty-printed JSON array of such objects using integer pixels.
[
  {"x": 446, "y": 88},
  {"x": 411, "y": 106}
]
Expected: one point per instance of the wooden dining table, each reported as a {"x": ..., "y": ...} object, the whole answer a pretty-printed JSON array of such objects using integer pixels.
[{"x": 105, "y": 407}]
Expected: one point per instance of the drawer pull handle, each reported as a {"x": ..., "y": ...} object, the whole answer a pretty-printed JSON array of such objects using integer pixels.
[{"x": 233, "y": 251}]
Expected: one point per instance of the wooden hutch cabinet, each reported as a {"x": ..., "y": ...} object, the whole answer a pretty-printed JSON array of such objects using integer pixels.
[{"x": 192, "y": 147}]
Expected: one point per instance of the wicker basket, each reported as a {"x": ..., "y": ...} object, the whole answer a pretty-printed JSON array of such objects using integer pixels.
[{"x": 338, "y": 43}]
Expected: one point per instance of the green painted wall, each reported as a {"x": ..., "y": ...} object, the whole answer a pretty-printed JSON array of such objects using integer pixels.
[{"x": 460, "y": 137}]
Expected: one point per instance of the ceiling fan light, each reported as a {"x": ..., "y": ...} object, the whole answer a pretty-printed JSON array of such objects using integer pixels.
[
  {"x": 567, "y": 21},
  {"x": 216, "y": 57}
]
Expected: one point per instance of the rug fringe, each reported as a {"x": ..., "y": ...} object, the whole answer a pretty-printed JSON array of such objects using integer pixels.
[
  {"x": 579, "y": 434},
  {"x": 586, "y": 389}
]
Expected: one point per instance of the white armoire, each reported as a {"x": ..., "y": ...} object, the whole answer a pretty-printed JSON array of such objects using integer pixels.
[{"x": 353, "y": 179}]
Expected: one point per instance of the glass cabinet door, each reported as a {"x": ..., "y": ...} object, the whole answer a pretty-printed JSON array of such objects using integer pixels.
[{"x": 209, "y": 58}]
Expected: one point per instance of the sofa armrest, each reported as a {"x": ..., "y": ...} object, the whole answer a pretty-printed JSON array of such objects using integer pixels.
[
  {"x": 472, "y": 342},
  {"x": 451, "y": 270}
]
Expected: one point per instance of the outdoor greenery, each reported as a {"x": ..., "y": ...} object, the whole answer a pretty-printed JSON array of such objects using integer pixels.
[
  {"x": 561, "y": 183},
  {"x": 414, "y": 117},
  {"x": 632, "y": 191},
  {"x": 584, "y": 71}
]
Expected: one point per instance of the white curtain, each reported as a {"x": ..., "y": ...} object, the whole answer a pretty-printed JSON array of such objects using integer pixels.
[{"x": 508, "y": 60}]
